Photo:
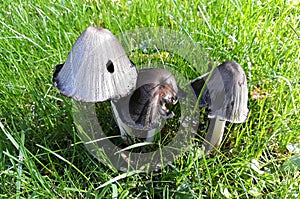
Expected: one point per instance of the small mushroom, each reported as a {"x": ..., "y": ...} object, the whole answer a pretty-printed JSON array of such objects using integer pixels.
[
  {"x": 140, "y": 113},
  {"x": 226, "y": 96},
  {"x": 97, "y": 68}
]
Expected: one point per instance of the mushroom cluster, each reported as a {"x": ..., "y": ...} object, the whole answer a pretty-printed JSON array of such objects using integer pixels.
[{"x": 97, "y": 69}]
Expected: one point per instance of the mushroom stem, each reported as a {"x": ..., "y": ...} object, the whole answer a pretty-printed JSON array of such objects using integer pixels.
[{"x": 214, "y": 134}]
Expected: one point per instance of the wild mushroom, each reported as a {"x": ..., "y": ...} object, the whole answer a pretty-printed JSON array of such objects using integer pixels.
[
  {"x": 140, "y": 113},
  {"x": 226, "y": 96},
  {"x": 97, "y": 68}
]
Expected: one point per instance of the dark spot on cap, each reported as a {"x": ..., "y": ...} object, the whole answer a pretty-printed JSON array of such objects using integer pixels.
[{"x": 110, "y": 66}]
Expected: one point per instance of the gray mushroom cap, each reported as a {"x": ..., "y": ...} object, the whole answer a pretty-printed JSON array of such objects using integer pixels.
[
  {"x": 226, "y": 96},
  {"x": 226, "y": 92},
  {"x": 97, "y": 68}
]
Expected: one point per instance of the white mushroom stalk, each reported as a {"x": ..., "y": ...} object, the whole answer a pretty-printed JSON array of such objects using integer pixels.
[{"x": 226, "y": 95}]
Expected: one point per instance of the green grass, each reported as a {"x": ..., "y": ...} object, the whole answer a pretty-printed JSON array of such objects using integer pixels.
[{"x": 40, "y": 159}]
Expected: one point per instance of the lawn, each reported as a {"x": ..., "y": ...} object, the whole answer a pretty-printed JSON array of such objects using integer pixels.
[{"x": 41, "y": 155}]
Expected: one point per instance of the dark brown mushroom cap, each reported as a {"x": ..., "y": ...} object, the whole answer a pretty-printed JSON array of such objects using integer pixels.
[
  {"x": 97, "y": 68},
  {"x": 226, "y": 92},
  {"x": 140, "y": 110}
]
